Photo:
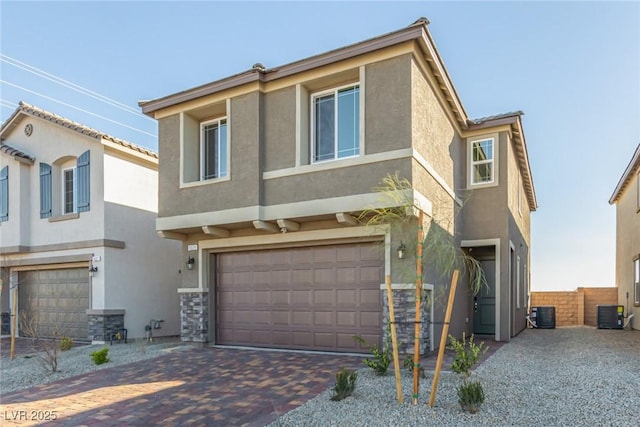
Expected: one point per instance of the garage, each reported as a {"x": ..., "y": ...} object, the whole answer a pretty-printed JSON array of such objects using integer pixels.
[
  {"x": 54, "y": 302},
  {"x": 304, "y": 298}
]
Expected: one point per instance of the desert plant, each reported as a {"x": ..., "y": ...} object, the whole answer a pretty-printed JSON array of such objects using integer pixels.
[
  {"x": 467, "y": 354},
  {"x": 470, "y": 393},
  {"x": 100, "y": 356},
  {"x": 47, "y": 348},
  {"x": 66, "y": 343},
  {"x": 381, "y": 357},
  {"x": 470, "y": 396},
  {"x": 345, "y": 384}
]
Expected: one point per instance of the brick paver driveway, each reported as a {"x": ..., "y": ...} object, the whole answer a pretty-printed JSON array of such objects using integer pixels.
[{"x": 194, "y": 386}]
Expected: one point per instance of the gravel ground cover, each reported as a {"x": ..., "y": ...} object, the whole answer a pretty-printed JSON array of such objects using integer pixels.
[
  {"x": 553, "y": 377},
  {"x": 28, "y": 369}
]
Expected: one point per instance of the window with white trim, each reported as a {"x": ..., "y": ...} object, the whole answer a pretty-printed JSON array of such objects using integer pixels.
[
  {"x": 482, "y": 164},
  {"x": 636, "y": 281},
  {"x": 4, "y": 194},
  {"x": 213, "y": 149},
  {"x": 518, "y": 281},
  {"x": 335, "y": 124},
  {"x": 69, "y": 201}
]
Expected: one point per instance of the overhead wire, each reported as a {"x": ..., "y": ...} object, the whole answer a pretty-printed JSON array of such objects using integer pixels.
[
  {"x": 76, "y": 108},
  {"x": 70, "y": 85}
]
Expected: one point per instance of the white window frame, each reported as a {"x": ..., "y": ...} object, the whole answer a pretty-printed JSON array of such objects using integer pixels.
[
  {"x": 204, "y": 124},
  {"x": 64, "y": 190},
  {"x": 312, "y": 121},
  {"x": 636, "y": 281},
  {"x": 517, "y": 281},
  {"x": 494, "y": 163}
]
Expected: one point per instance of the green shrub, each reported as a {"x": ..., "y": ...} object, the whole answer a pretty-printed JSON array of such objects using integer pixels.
[
  {"x": 381, "y": 358},
  {"x": 66, "y": 343},
  {"x": 467, "y": 354},
  {"x": 100, "y": 356},
  {"x": 345, "y": 384},
  {"x": 470, "y": 396}
]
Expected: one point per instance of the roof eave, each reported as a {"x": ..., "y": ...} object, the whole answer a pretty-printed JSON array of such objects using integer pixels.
[
  {"x": 633, "y": 165},
  {"x": 413, "y": 32}
]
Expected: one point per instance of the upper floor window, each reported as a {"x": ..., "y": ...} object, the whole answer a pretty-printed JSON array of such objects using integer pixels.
[
  {"x": 482, "y": 161},
  {"x": 4, "y": 194},
  {"x": 68, "y": 191},
  {"x": 73, "y": 190},
  {"x": 636, "y": 281},
  {"x": 335, "y": 124},
  {"x": 213, "y": 149}
]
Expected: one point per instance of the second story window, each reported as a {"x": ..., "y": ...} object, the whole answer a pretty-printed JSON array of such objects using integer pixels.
[
  {"x": 4, "y": 194},
  {"x": 335, "y": 127},
  {"x": 482, "y": 161},
  {"x": 213, "y": 149},
  {"x": 636, "y": 281},
  {"x": 68, "y": 191}
]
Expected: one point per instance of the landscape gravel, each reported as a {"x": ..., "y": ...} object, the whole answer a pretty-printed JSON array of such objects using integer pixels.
[
  {"x": 575, "y": 376},
  {"x": 27, "y": 370}
]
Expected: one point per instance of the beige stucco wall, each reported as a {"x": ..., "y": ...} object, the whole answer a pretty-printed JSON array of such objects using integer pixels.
[
  {"x": 49, "y": 143},
  {"x": 388, "y": 92},
  {"x": 627, "y": 245},
  {"x": 279, "y": 115},
  {"x": 515, "y": 186}
]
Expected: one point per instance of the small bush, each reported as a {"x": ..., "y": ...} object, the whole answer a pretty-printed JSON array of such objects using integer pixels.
[
  {"x": 100, "y": 356},
  {"x": 470, "y": 396},
  {"x": 345, "y": 384},
  {"x": 381, "y": 358},
  {"x": 66, "y": 343},
  {"x": 467, "y": 354}
]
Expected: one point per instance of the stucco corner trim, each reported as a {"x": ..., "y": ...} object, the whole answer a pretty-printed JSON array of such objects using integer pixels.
[{"x": 193, "y": 290}]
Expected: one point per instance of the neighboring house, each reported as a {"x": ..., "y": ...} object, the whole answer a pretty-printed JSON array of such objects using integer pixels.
[
  {"x": 73, "y": 200},
  {"x": 263, "y": 174},
  {"x": 626, "y": 197}
]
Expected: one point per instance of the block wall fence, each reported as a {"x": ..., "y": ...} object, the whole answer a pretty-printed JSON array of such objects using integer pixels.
[{"x": 576, "y": 308}]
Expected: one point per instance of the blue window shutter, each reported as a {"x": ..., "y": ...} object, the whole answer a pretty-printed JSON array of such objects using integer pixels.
[
  {"x": 4, "y": 193},
  {"x": 83, "y": 182},
  {"x": 45, "y": 190}
]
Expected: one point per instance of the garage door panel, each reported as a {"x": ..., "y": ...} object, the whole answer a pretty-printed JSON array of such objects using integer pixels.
[
  {"x": 346, "y": 297},
  {"x": 55, "y": 301},
  {"x": 306, "y": 298}
]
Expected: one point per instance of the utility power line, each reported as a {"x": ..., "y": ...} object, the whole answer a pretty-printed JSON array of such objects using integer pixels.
[
  {"x": 59, "y": 80},
  {"x": 76, "y": 108}
]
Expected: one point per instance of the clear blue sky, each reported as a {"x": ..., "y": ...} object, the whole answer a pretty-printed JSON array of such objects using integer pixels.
[{"x": 572, "y": 67}]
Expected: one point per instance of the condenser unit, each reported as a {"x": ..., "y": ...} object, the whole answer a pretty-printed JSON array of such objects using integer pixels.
[
  {"x": 610, "y": 316},
  {"x": 544, "y": 317}
]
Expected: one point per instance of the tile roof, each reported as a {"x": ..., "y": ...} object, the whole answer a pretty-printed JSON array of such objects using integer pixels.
[
  {"x": 16, "y": 153},
  {"x": 34, "y": 111}
]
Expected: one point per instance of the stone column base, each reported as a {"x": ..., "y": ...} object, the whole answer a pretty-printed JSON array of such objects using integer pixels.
[
  {"x": 103, "y": 323},
  {"x": 194, "y": 314},
  {"x": 404, "y": 305}
]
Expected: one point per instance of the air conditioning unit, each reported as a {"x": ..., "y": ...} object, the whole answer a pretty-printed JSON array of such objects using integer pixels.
[
  {"x": 610, "y": 316},
  {"x": 544, "y": 317}
]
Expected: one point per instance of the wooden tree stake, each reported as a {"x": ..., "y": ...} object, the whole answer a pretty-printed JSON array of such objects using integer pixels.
[
  {"x": 416, "y": 341},
  {"x": 14, "y": 320},
  {"x": 443, "y": 338},
  {"x": 394, "y": 339}
]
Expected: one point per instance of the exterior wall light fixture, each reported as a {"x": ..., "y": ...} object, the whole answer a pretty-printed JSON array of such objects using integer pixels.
[
  {"x": 191, "y": 262},
  {"x": 402, "y": 250},
  {"x": 93, "y": 269}
]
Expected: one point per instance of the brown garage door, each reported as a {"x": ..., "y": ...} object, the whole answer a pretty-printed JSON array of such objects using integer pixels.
[
  {"x": 54, "y": 302},
  {"x": 310, "y": 298}
]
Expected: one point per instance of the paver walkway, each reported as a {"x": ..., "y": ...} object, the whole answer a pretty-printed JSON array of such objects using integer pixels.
[
  {"x": 189, "y": 386},
  {"x": 193, "y": 386}
]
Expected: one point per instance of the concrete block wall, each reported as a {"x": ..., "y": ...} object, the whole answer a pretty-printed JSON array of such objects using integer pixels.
[
  {"x": 598, "y": 296},
  {"x": 575, "y": 308}
]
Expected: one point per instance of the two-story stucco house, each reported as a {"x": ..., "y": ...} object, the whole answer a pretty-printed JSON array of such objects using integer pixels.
[
  {"x": 263, "y": 174},
  {"x": 78, "y": 246},
  {"x": 626, "y": 197}
]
